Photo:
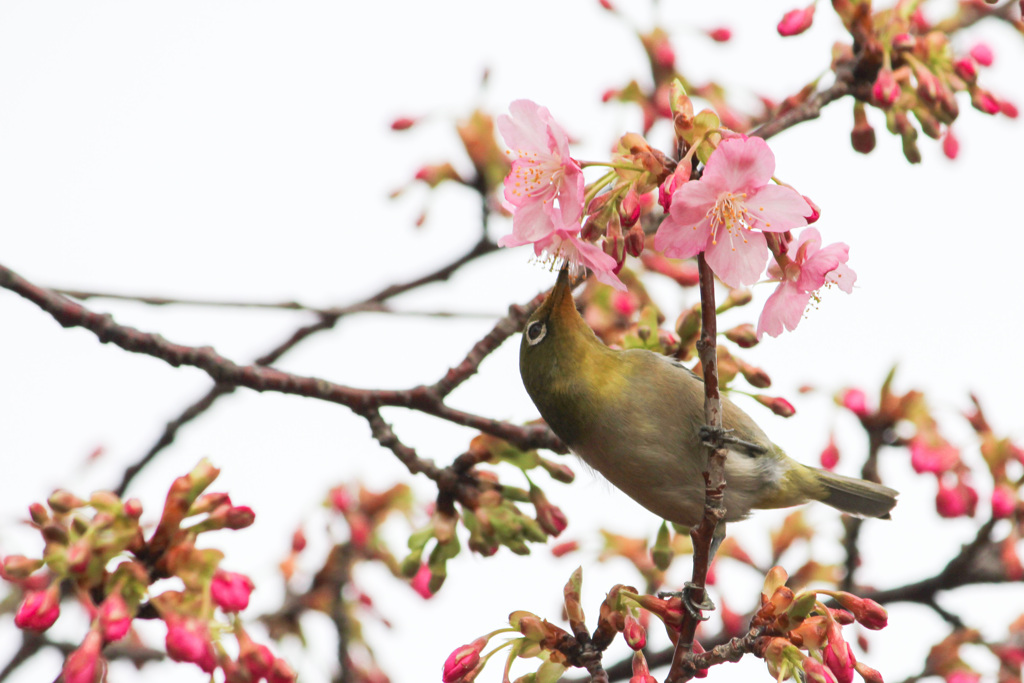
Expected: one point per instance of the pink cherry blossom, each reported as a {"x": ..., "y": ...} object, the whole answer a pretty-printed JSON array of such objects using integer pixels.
[
  {"x": 544, "y": 189},
  {"x": 577, "y": 253},
  {"x": 811, "y": 268},
  {"x": 421, "y": 582},
  {"x": 724, "y": 213}
]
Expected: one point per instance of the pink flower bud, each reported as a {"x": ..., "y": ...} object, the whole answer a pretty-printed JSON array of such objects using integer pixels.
[
  {"x": 80, "y": 666},
  {"x": 298, "y": 541},
  {"x": 280, "y": 672},
  {"x": 950, "y": 501},
  {"x": 40, "y": 609},
  {"x": 240, "y": 517},
  {"x": 720, "y": 34},
  {"x": 17, "y": 567},
  {"x": 624, "y": 303},
  {"x": 38, "y": 514},
  {"x": 840, "y": 663},
  {"x": 1008, "y": 109},
  {"x": 257, "y": 659},
  {"x": 934, "y": 458},
  {"x": 982, "y": 53},
  {"x": 795, "y": 22},
  {"x": 817, "y": 672},
  {"x": 565, "y": 548},
  {"x": 867, "y": 673},
  {"x": 967, "y": 69},
  {"x": 636, "y": 636},
  {"x": 403, "y": 123},
  {"x": 231, "y": 590},
  {"x": 421, "y": 582},
  {"x": 777, "y": 405},
  {"x": 115, "y": 620},
  {"x": 961, "y": 676},
  {"x": 629, "y": 209},
  {"x": 983, "y": 101},
  {"x": 463, "y": 661},
  {"x": 855, "y": 401},
  {"x": 886, "y": 90},
  {"x": 1004, "y": 501},
  {"x": 641, "y": 674},
  {"x": 133, "y": 508},
  {"x": 341, "y": 499},
  {"x": 830, "y": 456},
  {"x": 904, "y": 41},
  {"x": 188, "y": 640},
  {"x": 950, "y": 145},
  {"x": 78, "y": 556}
]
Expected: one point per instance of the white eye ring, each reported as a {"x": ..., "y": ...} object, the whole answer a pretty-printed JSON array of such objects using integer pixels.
[{"x": 535, "y": 332}]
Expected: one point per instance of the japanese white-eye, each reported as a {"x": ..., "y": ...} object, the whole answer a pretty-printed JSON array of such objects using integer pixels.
[{"x": 635, "y": 416}]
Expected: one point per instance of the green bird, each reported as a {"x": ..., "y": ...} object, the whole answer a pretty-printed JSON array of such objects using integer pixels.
[{"x": 637, "y": 417}]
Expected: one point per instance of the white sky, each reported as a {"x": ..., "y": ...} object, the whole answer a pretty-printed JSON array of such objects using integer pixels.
[{"x": 241, "y": 150}]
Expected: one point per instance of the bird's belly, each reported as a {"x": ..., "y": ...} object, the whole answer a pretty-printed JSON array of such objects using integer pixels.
[{"x": 672, "y": 487}]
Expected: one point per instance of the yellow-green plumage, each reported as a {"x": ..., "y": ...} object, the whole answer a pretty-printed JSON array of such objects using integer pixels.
[{"x": 635, "y": 417}]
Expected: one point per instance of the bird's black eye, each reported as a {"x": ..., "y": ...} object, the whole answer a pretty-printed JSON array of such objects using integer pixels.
[{"x": 535, "y": 332}]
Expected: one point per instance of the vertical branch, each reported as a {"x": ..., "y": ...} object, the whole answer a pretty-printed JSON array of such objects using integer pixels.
[{"x": 714, "y": 477}]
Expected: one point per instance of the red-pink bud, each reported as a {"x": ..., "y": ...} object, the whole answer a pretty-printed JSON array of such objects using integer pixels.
[
  {"x": 240, "y": 517},
  {"x": 777, "y": 405},
  {"x": 641, "y": 674},
  {"x": 962, "y": 676},
  {"x": 830, "y": 456},
  {"x": 565, "y": 548},
  {"x": 403, "y": 123},
  {"x": 636, "y": 636},
  {"x": 983, "y": 101},
  {"x": 462, "y": 661},
  {"x": 936, "y": 459},
  {"x": 886, "y": 90},
  {"x": 421, "y": 582},
  {"x": 231, "y": 590},
  {"x": 80, "y": 666},
  {"x": 133, "y": 508},
  {"x": 950, "y": 501},
  {"x": 258, "y": 660},
  {"x": 629, "y": 209},
  {"x": 280, "y": 672},
  {"x": 115, "y": 620},
  {"x": 817, "y": 672},
  {"x": 982, "y": 53},
  {"x": 298, "y": 541},
  {"x": 856, "y": 401},
  {"x": 1004, "y": 501},
  {"x": 40, "y": 609},
  {"x": 967, "y": 69},
  {"x": 1008, "y": 109},
  {"x": 840, "y": 661},
  {"x": 720, "y": 34},
  {"x": 795, "y": 22},
  {"x": 950, "y": 145},
  {"x": 188, "y": 640},
  {"x": 904, "y": 41}
]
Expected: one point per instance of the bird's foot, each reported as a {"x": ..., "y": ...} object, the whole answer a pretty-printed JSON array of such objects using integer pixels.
[
  {"x": 695, "y": 609},
  {"x": 713, "y": 437}
]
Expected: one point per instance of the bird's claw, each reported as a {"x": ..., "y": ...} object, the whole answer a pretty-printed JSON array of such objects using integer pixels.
[
  {"x": 695, "y": 609},
  {"x": 714, "y": 437}
]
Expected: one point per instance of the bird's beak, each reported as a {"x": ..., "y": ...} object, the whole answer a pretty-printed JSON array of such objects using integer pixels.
[{"x": 561, "y": 296}]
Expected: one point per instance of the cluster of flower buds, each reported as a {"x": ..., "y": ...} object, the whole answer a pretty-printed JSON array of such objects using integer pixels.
[
  {"x": 96, "y": 547},
  {"x": 919, "y": 75},
  {"x": 802, "y": 635}
]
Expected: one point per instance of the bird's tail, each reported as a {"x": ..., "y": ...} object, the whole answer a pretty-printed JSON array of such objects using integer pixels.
[{"x": 856, "y": 496}]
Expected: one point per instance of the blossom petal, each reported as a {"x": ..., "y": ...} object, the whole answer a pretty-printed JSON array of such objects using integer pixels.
[
  {"x": 531, "y": 222},
  {"x": 682, "y": 241},
  {"x": 844, "y": 277},
  {"x": 527, "y": 127},
  {"x": 740, "y": 164},
  {"x": 738, "y": 262},
  {"x": 778, "y": 208},
  {"x": 692, "y": 201},
  {"x": 814, "y": 270},
  {"x": 783, "y": 310},
  {"x": 602, "y": 264},
  {"x": 570, "y": 196}
]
